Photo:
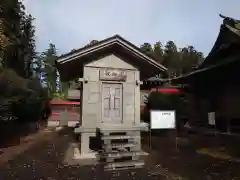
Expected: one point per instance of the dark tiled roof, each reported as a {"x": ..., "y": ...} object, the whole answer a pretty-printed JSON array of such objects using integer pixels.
[
  {"x": 229, "y": 34},
  {"x": 228, "y": 42},
  {"x": 108, "y": 39},
  {"x": 155, "y": 79}
]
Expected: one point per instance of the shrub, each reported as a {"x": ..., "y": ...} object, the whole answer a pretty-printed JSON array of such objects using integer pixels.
[
  {"x": 59, "y": 96},
  {"x": 21, "y": 99},
  {"x": 161, "y": 101}
]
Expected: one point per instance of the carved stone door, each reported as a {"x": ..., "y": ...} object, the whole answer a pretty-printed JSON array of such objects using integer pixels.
[{"x": 111, "y": 103}]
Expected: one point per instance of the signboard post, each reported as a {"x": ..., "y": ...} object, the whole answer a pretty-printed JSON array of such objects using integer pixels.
[
  {"x": 211, "y": 118},
  {"x": 211, "y": 121},
  {"x": 161, "y": 120}
]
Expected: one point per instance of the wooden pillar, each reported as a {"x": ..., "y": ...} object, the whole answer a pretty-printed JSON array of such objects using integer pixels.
[
  {"x": 81, "y": 103},
  {"x": 194, "y": 109}
]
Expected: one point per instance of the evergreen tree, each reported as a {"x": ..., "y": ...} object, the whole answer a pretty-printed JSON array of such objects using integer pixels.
[
  {"x": 171, "y": 58},
  {"x": 158, "y": 52},
  {"x": 178, "y": 62},
  {"x": 146, "y": 48},
  {"x": 50, "y": 74},
  {"x": 28, "y": 45},
  {"x": 17, "y": 37}
]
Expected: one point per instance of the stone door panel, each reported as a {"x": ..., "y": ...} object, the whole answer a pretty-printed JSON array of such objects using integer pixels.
[{"x": 112, "y": 103}]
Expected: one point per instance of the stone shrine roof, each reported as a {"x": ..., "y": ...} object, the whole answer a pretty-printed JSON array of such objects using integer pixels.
[{"x": 147, "y": 65}]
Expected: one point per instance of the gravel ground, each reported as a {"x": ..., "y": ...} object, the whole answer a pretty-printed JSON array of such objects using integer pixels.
[
  {"x": 44, "y": 161},
  {"x": 185, "y": 163}
]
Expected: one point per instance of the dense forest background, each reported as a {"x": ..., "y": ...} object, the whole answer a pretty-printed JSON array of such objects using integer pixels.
[
  {"x": 30, "y": 76},
  {"x": 23, "y": 99},
  {"x": 179, "y": 61}
]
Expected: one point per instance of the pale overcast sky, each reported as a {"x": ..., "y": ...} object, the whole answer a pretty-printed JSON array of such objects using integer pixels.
[{"x": 71, "y": 24}]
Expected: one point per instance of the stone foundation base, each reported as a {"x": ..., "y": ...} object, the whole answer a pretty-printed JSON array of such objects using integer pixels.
[
  {"x": 74, "y": 157},
  {"x": 78, "y": 155}
]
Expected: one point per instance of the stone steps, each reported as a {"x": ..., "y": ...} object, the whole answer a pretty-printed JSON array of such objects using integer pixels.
[
  {"x": 123, "y": 154},
  {"x": 121, "y": 148},
  {"x": 120, "y": 145},
  {"x": 124, "y": 165},
  {"x": 116, "y": 137}
]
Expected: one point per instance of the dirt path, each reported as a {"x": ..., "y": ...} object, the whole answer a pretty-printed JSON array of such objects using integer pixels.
[{"x": 25, "y": 143}]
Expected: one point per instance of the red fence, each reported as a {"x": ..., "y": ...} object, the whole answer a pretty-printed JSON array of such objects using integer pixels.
[
  {"x": 54, "y": 102},
  {"x": 72, "y": 110},
  {"x": 167, "y": 90}
]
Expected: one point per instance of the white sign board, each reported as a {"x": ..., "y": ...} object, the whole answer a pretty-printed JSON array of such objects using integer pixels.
[
  {"x": 163, "y": 120},
  {"x": 211, "y": 118}
]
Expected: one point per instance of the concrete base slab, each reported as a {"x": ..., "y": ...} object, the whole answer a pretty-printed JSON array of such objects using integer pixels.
[
  {"x": 145, "y": 154},
  {"x": 59, "y": 128},
  {"x": 78, "y": 155},
  {"x": 74, "y": 157}
]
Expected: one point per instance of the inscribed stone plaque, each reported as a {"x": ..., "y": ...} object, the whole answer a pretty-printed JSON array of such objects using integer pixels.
[{"x": 111, "y": 74}]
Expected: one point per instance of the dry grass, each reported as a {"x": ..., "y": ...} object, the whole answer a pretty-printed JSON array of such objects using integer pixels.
[{"x": 219, "y": 153}]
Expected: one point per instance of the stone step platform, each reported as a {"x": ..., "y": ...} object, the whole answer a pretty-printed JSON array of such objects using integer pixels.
[
  {"x": 123, "y": 154},
  {"x": 122, "y": 132},
  {"x": 119, "y": 145},
  {"x": 120, "y": 128},
  {"x": 116, "y": 137},
  {"x": 121, "y": 148},
  {"x": 124, "y": 165}
]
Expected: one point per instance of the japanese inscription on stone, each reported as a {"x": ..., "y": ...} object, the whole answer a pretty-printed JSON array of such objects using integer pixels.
[{"x": 112, "y": 74}]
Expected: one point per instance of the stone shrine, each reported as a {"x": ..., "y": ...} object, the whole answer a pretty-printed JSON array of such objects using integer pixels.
[{"x": 111, "y": 72}]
